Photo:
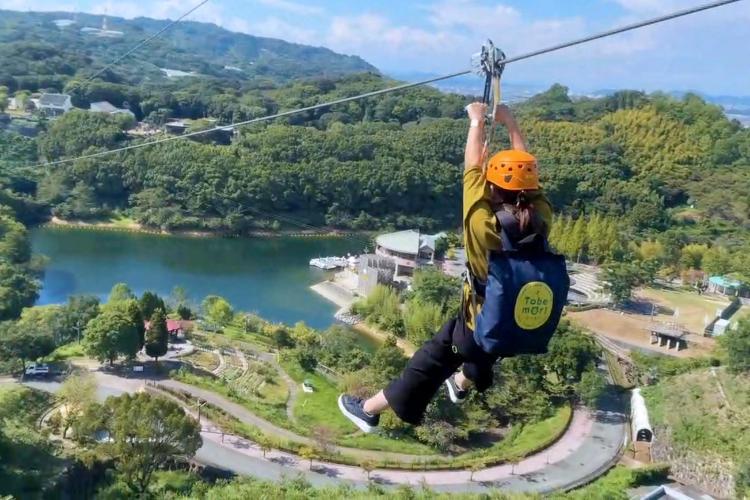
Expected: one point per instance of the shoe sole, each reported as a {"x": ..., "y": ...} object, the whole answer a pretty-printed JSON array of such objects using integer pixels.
[
  {"x": 452, "y": 395},
  {"x": 363, "y": 426}
]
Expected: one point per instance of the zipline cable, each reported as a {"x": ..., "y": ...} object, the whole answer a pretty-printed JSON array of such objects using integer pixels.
[
  {"x": 145, "y": 41},
  {"x": 405, "y": 86}
]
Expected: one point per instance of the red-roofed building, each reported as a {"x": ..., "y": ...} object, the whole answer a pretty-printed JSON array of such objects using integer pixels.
[{"x": 174, "y": 326}]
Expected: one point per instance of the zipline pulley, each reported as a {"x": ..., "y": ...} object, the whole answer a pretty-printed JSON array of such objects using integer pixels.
[{"x": 490, "y": 63}]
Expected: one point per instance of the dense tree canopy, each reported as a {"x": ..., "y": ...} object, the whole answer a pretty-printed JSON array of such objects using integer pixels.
[
  {"x": 736, "y": 343},
  {"x": 112, "y": 334},
  {"x": 146, "y": 432}
]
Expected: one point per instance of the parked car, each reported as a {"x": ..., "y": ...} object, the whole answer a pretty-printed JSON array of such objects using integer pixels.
[
  {"x": 307, "y": 386},
  {"x": 37, "y": 369}
]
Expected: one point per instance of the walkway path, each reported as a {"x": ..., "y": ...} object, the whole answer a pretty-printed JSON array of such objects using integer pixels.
[
  {"x": 222, "y": 363},
  {"x": 244, "y": 415},
  {"x": 590, "y": 445},
  {"x": 243, "y": 361}
]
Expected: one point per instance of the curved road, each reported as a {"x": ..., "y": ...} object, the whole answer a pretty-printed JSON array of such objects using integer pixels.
[{"x": 592, "y": 441}]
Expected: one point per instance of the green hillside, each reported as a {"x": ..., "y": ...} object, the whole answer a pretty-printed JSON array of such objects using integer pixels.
[{"x": 38, "y": 54}]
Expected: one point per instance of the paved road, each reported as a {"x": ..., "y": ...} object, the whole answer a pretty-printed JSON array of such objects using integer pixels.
[
  {"x": 591, "y": 442},
  {"x": 245, "y": 416}
]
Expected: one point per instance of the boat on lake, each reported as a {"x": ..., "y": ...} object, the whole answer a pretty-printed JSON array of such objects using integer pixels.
[{"x": 329, "y": 263}]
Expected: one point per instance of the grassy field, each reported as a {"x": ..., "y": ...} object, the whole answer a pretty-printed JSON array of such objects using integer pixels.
[
  {"x": 699, "y": 416},
  {"x": 236, "y": 331},
  {"x": 320, "y": 408},
  {"x": 68, "y": 351},
  {"x": 693, "y": 308},
  {"x": 272, "y": 408},
  {"x": 526, "y": 439}
]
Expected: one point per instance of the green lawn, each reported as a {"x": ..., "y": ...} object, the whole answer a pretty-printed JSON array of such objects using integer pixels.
[
  {"x": 236, "y": 331},
  {"x": 68, "y": 351},
  {"x": 272, "y": 410},
  {"x": 693, "y": 308},
  {"x": 320, "y": 408},
  {"x": 525, "y": 440},
  {"x": 699, "y": 417}
]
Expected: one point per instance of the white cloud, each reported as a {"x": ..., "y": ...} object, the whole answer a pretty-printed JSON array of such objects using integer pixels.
[
  {"x": 651, "y": 6},
  {"x": 468, "y": 14},
  {"x": 162, "y": 9},
  {"x": 273, "y": 27},
  {"x": 455, "y": 31},
  {"x": 293, "y": 7},
  {"x": 43, "y": 6}
]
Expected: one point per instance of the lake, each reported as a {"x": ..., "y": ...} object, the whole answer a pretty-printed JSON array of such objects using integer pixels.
[{"x": 269, "y": 276}]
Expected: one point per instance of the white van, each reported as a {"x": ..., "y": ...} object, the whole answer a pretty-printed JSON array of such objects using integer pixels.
[{"x": 37, "y": 369}]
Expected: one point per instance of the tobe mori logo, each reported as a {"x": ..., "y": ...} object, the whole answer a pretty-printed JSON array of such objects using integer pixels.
[{"x": 533, "y": 305}]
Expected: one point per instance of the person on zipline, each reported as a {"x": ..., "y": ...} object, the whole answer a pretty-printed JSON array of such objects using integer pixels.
[{"x": 514, "y": 292}]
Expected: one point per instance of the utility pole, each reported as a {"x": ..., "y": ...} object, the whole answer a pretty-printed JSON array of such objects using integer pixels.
[{"x": 200, "y": 405}]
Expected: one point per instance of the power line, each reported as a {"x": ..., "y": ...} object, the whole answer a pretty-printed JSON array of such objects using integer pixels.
[
  {"x": 397, "y": 88},
  {"x": 145, "y": 41}
]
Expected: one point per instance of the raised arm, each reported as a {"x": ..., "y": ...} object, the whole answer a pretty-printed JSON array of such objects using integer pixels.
[
  {"x": 504, "y": 116},
  {"x": 475, "y": 140}
]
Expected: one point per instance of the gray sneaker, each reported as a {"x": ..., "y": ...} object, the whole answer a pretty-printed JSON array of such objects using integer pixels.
[
  {"x": 456, "y": 394},
  {"x": 353, "y": 409}
]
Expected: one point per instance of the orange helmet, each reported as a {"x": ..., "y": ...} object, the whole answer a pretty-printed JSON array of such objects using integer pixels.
[{"x": 513, "y": 170}]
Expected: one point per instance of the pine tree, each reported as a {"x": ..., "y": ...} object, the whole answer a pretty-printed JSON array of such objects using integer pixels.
[
  {"x": 578, "y": 239},
  {"x": 157, "y": 336},
  {"x": 597, "y": 238},
  {"x": 564, "y": 240},
  {"x": 612, "y": 238},
  {"x": 556, "y": 232}
]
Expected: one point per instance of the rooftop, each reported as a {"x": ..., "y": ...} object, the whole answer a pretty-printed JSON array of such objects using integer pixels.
[
  {"x": 55, "y": 100},
  {"x": 173, "y": 325},
  {"x": 724, "y": 281},
  {"x": 103, "y": 107},
  {"x": 409, "y": 241},
  {"x": 400, "y": 241}
]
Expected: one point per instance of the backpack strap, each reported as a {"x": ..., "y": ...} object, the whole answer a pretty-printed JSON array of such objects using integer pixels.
[{"x": 512, "y": 238}]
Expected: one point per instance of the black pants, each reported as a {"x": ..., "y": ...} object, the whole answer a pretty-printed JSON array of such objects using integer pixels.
[{"x": 432, "y": 364}]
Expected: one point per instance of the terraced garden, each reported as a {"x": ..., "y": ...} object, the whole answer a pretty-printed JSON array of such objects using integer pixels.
[{"x": 203, "y": 360}]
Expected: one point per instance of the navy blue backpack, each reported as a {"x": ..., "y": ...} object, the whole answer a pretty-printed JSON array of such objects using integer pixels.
[{"x": 526, "y": 289}]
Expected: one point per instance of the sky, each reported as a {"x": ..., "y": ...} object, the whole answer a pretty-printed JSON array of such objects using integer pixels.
[{"x": 706, "y": 52}]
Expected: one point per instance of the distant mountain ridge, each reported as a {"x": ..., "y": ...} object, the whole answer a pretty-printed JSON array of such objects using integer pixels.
[{"x": 53, "y": 46}]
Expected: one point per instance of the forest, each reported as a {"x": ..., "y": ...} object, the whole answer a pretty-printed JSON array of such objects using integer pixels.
[
  {"x": 621, "y": 170},
  {"x": 39, "y": 54}
]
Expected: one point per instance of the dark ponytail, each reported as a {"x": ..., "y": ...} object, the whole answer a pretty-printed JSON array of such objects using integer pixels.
[{"x": 518, "y": 203}]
